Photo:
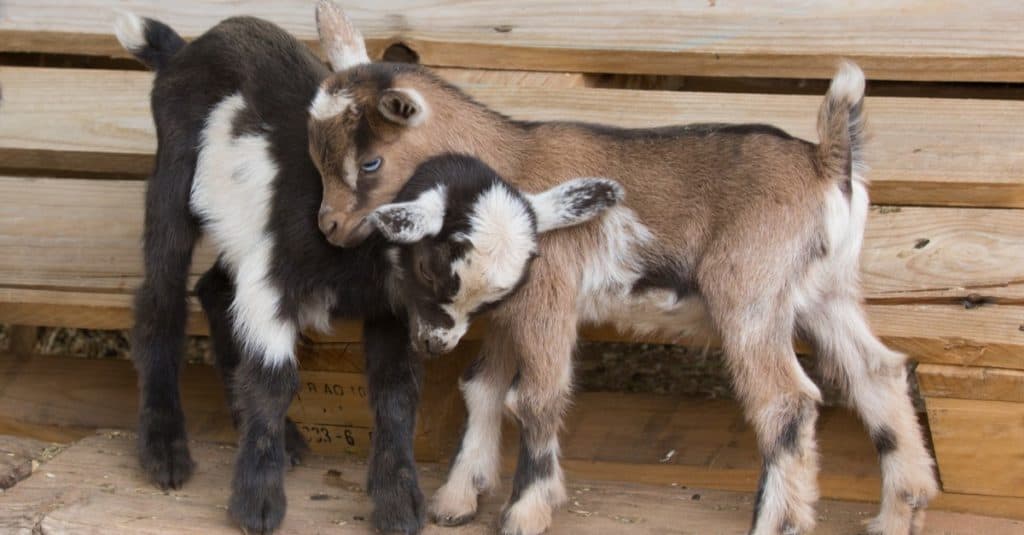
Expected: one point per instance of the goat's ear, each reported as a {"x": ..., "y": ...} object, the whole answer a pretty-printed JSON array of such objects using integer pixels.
[
  {"x": 409, "y": 222},
  {"x": 574, "y": 202},
  {"x": 403, "y": 105},
  {"x": 340, "y": 40}
]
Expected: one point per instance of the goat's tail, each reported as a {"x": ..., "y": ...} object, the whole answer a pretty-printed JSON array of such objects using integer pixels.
[
  {"x": 150, "y": 41},
  {"x": 841, "y": 124}
]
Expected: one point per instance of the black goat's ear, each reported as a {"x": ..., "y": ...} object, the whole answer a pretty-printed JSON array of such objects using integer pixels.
[
  {"x": 341, "y": 42},
  {"x": 410, "y": 222},
  {"x": 574, "y": 202},
  {"x": 403, "y": 105}
]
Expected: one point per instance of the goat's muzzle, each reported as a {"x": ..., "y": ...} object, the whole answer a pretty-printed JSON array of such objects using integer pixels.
[{"x": 344, "y": 230}]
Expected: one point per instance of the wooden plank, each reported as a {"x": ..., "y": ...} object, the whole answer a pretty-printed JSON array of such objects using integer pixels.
[
  {"x": 989, "y": 335},
  {"x": 84, "y": 235},
  {"x": 327, "y": 494},
  {"x": 978, "y": 445},
  {"x": 924, "y": 152},
  {"x": 990, "y": 384},
  {"x": 19, "y": 457},
  {"x": 21, "y": 339},
  {"x": 710, "y": 436},
  {"x": 952, "y": 40},
  {"x": 947, "y": 334},
  {"x": 80, "y": 393}
]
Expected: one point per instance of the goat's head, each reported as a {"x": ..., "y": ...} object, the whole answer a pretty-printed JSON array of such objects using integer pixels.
[
  {"x": 465, "y": 240},
  {"x": 371, "y": 125}
]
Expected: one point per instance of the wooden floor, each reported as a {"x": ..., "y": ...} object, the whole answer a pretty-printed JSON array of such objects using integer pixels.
[{"x": 94, "y": 486}]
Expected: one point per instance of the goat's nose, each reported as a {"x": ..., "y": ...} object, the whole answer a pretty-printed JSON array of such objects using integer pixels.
[{"x": 328, "y": 226}]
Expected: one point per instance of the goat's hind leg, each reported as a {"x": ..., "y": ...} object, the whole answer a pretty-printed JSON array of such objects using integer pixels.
[
  {"x": 779, "y": 400},
  {"x": 216, "y": 291},
  {"x": 161, "y": 312},
  {"x": 874, "y": 379},
  {"x": 475, "y": 468}
]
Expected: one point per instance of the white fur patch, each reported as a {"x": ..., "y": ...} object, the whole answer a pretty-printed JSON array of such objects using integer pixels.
[
  {"x": 566, "y": 204},
  {"x": 232, "y": 192},
  {"x": 130, "y": 30},
  {"x": 342, "y": 43},
  {"x": 475, "y": 469},
  {"x": 503, "y": 241},
  {"x": 408, "y": 222},
  {"x": 350, "y": 168},
  {"x": 327, "y": 105},
  {"x": 610, "y": 273},
  {"x": 848, "y": 83}
]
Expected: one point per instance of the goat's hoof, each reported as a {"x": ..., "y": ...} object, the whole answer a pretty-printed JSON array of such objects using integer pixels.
[
  {"x": 258, "y": 511},
  {"x": 397, "y": 501},
  {"x": 452, "y": 520},
  {"x": 519, "y": 519},
  {"x": 294, "y": 443},
  {"x": 453, "y": 505},
  {"x": 163, "y": 451}
]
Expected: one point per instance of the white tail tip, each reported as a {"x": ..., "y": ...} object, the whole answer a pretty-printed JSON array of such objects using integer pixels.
[
  {"x": 848, "y": 83},
  {"x": 130, "y": 30}
]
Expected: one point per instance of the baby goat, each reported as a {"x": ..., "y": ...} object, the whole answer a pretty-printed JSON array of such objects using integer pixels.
[
  {"x": 739, "y": 231},
  {"x": 232, "y": 161},
  {"x": 470, "y": 239}
]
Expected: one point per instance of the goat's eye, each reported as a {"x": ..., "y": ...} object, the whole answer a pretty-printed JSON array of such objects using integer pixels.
[
  {"x": 372, "y": 165},
  {"x": 424, "y": 272}
]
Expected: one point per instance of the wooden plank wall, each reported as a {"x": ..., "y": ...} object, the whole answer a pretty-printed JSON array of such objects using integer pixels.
[
  {"x": 942, "y": 263},
  {"x": 958, "y": 40}
]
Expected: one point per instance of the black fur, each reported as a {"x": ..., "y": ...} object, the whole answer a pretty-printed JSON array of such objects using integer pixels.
[
  {"x": 162, "y": 43},
  {"x": 759, "y": 495},
  {"x": 670, "y": 132},
  {"x": 884, "y": 441},
  {"x": 667, "y": 274},
  {"x": 531, "y": 467},
  {"x": 278, "y": 77}
]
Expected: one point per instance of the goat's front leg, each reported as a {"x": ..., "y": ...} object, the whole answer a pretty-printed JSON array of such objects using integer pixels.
[
  {"x": 538, "y": 399},
  {"x": 265, "y": 382},
  {"x": 394, "y": 375},
  {"x": 216, "y": 291},
  {"x": 475, "y": 468},
  {"x": 263, "y": 393}
]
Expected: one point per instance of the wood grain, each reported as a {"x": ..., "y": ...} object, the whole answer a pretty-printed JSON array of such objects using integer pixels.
[
  {"x": 20, "y": 456},
  {"x": 326, "y": 496},
  {"x": 715, "y": 448},
  {"x": 978, "y": 445},
  {"x": 956, "y": 40},
  {"x": 952, "y": 152},
  {"x": 990, "y": 384},
  {"x": 84, "y": 235}
]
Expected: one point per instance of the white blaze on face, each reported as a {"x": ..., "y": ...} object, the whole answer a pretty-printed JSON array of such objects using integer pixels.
[
  {"x": 327, "y": 104},
  {"x": 351, "y": 170},
  {"x": 502, "y": 241}
]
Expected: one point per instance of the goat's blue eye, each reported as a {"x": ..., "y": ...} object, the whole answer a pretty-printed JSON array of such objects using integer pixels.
[{"x": 372, "y": 165}]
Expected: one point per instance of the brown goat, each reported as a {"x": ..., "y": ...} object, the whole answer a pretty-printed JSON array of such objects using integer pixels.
[{"x": 739, "y": 231}]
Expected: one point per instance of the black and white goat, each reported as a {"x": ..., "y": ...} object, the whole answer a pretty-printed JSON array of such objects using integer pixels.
[
  {"x": 232, "y": 162},
  {"x": 739, "y": 231}
]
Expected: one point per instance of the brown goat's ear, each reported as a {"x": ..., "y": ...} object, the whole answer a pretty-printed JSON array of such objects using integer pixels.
[
  {"x": 403, "y": 105},
  {"x": 340, "y": 40},
  {"x": 574, "y": 202},
  {"x": 410, "y": 222}
]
